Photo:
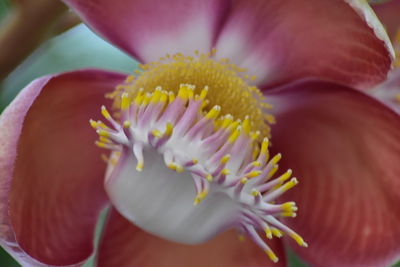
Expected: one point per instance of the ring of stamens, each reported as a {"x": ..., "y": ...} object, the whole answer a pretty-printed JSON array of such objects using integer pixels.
[
  {"x": 224, "y": 154},
  {"x": 231, "y": 86}
]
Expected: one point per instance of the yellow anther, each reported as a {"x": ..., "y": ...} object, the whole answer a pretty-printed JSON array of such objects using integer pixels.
[
  {"x": 93, "y": 124},
  {"x": 105, "y": 112},
  {"x": 200, "y": 196},
  {"x": 104, "y": 140},
  {"x": 179, "y": 168},
  {"x": 139, "y": 97},
  {"x": 176, "y": 167},
  {"x": 157, "y": 133},
  {"x": 290, "y": 184},
  {"x": 183, "y": 91},
  {"x": 264, "y": 146},
  {"x": 101, "y": 144},
  {"x": 190, "y": 93},
  {"x": 256, "y": 163},
  {"x": 209, "y": 178},
  {"x": 285, "y": 176},
  {"x": 225, "y": 159},
  {"x": 164, "y": 97},
  {"x": 255, "y": 193},
  {"x": 299, "y": 240},
  {"x": 102, "y": 125},
  {"x": 227, "y": 120},
  {"x": 272, "y": 255},
  {"x": 203, "y": 93},
  {"x": 273, "y": 170},
  {"x": 125, "y": 102},
  {"x": 213, "y": 113},
  {"x": 276, "y": 232},
  {"x": 289, "y": 207},
  {"x": 146, "y": 99},
  {"x": 233, "y": 126},
  {"x": 253, "y": 174},
  {"x": 155, "y": 98},
  {"x": 171, "y": 97},
  {"x": 140, "y": 166},
  {"x": 169, "y": 128},
  {"x": 234, "y": 136},
  {"x": 268, "y": 232},
  {"x": 276, "y": 158},
  {"x": 244, "y": 180},
  {"x": 103, "y": 133},
  {"x": 195, "y": 161},
  {"x": 246, "y": 125},
  {"x": 127, "y": 124},
  {"x": 172, "y": 166},
  {"x": 225, "y": 172}
]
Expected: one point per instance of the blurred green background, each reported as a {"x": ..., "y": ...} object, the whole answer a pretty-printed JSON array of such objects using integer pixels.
[{"x": 74, "y": 49}]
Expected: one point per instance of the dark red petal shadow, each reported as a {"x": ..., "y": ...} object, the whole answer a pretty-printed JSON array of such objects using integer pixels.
[
  {"x": 123, "y": 244},
  {"x": 51, "y": 174},
  {"x": 344, "y": 147}
]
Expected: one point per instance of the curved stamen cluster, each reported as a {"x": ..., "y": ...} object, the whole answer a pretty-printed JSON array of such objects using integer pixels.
[{"x": 221, "y": 154}]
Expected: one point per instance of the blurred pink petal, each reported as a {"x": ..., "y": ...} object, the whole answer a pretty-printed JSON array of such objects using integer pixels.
[
  {"x": 344, "y": 147},
  {"x": 123, "y": 244},
  {"x": 50, "y": 172},
  {"x": 149, "y": 30}
]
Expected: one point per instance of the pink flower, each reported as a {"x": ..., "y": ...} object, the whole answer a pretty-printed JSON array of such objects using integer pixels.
[{"x": 173, "y": 141}]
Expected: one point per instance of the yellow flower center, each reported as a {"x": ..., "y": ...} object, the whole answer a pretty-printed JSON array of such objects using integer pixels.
[{"x": 228, "y": 86}]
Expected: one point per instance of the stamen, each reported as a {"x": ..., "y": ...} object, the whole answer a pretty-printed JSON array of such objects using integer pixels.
[{"x": 220, "y": 153}]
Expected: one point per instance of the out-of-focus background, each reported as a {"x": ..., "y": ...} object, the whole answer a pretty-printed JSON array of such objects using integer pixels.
[{"x": 51, "y": 39}]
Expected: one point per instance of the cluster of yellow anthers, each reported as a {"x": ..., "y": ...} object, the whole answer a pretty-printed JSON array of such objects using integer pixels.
[
  {"x": 219, "y": 153},
  {"x": 231, "y": 86}
]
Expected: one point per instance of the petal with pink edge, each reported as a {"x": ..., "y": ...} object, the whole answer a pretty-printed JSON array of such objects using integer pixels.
[
  {"x": 149, "y": 29},
  {"x": 389, "y": 13},
  {"x": 51, "y": 174},
  {"x": 345, "y": 148},
  {"x": 123, "y": 244},
  {"x": 280, "y": 41}
]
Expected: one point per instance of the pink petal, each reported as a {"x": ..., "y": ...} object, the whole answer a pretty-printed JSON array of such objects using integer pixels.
[
  {"x": 50, "y": 171},
  {"x": 389, "y": 91},
  {"x": 123, "y": 244},
  {"x": 345, "y": 148},
  {"x": 149, "y": 29},
  {"x": 280, "y": 41},
  {"x": 389, "y": 13}
]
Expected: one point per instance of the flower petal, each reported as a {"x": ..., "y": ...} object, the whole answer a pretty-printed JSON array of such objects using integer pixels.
[
  {"x": 280, "y": 41},
  {"x": 388, "y": 12},
  {"x": 345, "y": 148},
  {"x": 389, "y": 91},
  {"x": 149, "y": 30},
  {"x": 51, "y": 174},
  {"x": 123, "y": 244}
]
